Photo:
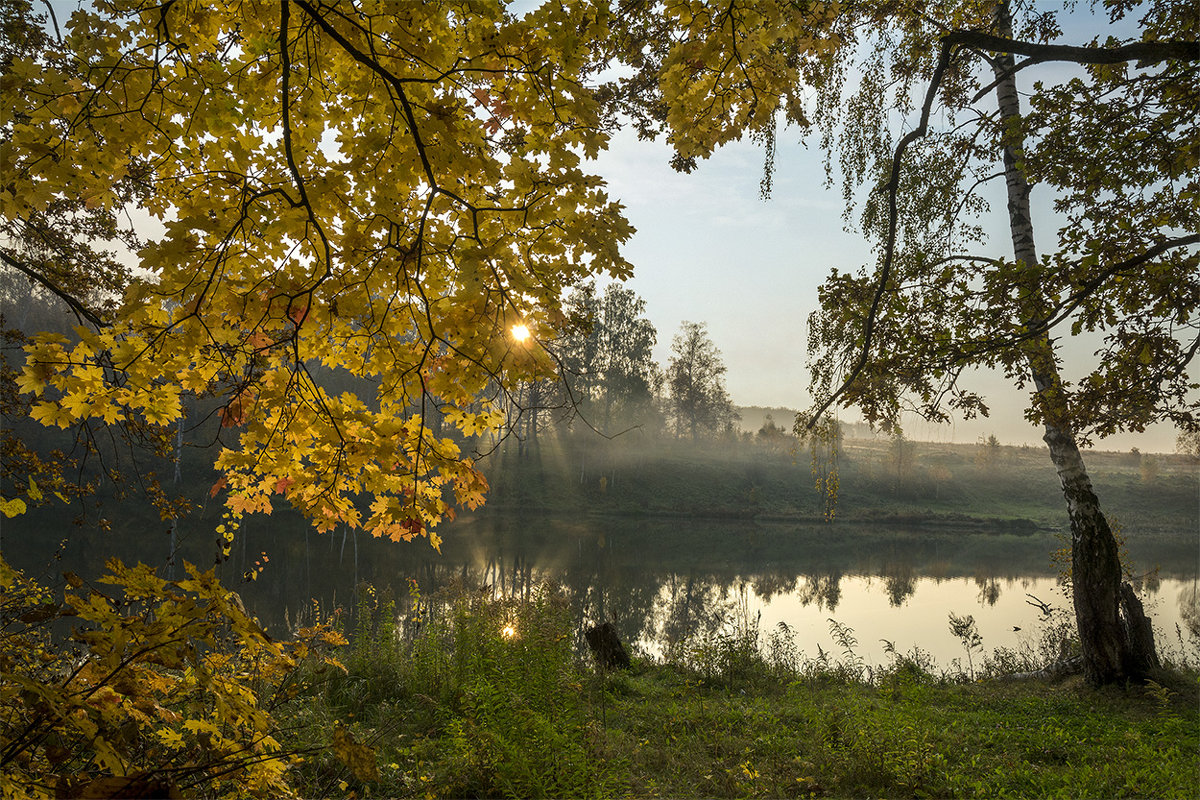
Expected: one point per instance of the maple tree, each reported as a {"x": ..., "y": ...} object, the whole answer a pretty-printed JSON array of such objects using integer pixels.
[
  {"x": 162, "y": 687},
  {"x": 379, "y": 190}
]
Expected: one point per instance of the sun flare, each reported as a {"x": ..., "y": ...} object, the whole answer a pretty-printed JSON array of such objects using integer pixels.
[{"x": 520, "y": 332}]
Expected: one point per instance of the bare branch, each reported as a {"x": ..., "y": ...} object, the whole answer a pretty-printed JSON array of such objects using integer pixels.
[
  {"x": 81, "y": 311},
  {"x": 1143, "y": 52}
]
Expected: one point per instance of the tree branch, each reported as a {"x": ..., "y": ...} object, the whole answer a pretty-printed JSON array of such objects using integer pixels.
[
  {"x": 1090, "y": 288},
  {"x": 892, "y": 188},
  {"x": 1143, "y": 52},
  {"x": 76, "y": 306}
]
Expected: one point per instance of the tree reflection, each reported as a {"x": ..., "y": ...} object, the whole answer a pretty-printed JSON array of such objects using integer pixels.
[
  {"x": 824, "y": 590},
  {"x": 692, "y": 609},
  {"x": 1189, "y": 609},
  {"x": 663, "y": 584},
  {"x": 899, "y": 581},
  {"x": 769, "y": 584},
  {"x": 989, "y": 589}
]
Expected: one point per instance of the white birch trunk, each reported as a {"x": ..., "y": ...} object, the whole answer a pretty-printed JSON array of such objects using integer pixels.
[{"x": 1095, "y": 559}]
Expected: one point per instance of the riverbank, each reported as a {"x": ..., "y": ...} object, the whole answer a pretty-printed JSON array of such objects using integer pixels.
[
  {"x": 493, "y": 701},
  {"x": 463, "y": 693},
  {"x": 1004, "y": 489}
]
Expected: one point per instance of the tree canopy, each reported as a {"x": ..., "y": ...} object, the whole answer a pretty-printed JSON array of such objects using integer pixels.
[
  {"x": 383, "y": 190},
  {"x": 919, "y": 102},
  {"x": 1124, "y": 270},
  {"x": 695, "y": 379},
  {"x": 607, "y": 359},
  {"x": 388, "y": 191}
]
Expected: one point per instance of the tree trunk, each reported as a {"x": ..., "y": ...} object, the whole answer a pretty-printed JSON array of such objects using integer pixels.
[{"x": 1113, "y": 649}]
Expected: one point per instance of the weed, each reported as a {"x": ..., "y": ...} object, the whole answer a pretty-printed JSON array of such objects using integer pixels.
[{"x": 966, "y": 632}]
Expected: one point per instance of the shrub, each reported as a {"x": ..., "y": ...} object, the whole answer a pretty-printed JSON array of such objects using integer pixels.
[{"x": 160, "y": 687}]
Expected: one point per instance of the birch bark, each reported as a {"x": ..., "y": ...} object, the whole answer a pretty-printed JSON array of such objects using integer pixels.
[{"x": 1111, "y": 651}]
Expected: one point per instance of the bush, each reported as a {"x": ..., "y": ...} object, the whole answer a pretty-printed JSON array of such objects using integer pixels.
[{"x": 159, "y": 688}]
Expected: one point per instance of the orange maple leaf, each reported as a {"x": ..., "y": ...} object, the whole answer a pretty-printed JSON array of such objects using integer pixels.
[
  {"x": 238, "y": 409},
  {"x": 255, "y": 501}
]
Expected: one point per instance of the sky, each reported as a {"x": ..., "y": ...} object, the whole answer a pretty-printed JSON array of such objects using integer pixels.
[{"x": 709, "y": 249}]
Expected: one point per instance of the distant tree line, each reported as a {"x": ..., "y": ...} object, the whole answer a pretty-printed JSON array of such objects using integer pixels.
[{"x": 609, "y": 380}]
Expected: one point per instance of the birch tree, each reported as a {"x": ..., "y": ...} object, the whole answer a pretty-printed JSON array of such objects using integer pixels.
[
  {"x": 1114, "y": 145},
  {"x": 1123, "y": 268}
]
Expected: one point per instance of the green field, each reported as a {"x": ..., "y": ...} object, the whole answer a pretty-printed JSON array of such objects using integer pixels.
[{"x": 459, "y": 710}]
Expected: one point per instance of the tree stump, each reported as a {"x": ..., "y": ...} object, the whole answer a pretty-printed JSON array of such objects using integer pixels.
[{"x": 606, "y": 646}]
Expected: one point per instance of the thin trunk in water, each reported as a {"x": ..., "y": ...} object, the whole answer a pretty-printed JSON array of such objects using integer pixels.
[
  {"x": 173, "y": 545},
  {"x": 1114, "y": 648}
]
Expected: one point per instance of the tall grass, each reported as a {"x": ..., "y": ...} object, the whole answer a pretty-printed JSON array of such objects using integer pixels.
[{"x": 476, "y": 696}]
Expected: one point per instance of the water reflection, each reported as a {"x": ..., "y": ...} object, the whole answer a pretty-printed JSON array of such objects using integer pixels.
[
  {"x": 899, "y": 581},
  {"x": 824, "y": 590},
  {"x": 668, "y": 583},
  {"x": 989, "y": 589}
]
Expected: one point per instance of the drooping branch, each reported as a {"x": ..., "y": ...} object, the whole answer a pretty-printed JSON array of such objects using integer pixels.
[
  {"x": 892, "y": 188},
  {"x": 1143, "y": 52}
]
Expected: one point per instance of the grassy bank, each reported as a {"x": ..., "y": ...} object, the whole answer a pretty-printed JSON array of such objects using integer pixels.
[
  {"x": 491, "y": 698},
  {"x": 169, "y": 689},
  {"x": 1004, "y": 488}
]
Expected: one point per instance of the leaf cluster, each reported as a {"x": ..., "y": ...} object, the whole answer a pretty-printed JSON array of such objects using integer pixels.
[{"x": 160, "y": 687}]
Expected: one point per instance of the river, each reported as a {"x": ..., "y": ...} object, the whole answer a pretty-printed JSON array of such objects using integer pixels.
[{"x": 666, "y": 583}]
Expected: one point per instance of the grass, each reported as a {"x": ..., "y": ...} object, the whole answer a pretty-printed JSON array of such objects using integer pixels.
[{"x": 472, "y": 696}]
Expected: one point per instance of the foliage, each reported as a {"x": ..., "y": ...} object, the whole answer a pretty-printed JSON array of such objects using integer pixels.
[
  {"x": 455, "y": 705},
  {"x": 705, "y": 74},
  {"x": 824, "y": 438},
  {"x": 607, "y": 358},
  {"x": 694, "y": 378},
  {"x": 161, "y": 688},
  {"x": 964, "y": 628},
  {"x": 902, "y": 332},
  {"x": 1120, "y": 271},
  {"x": 988, "y": 453},
  {"x": 725, "y": 720},
  {"x": 366, "y": 192},
  {"x": 487, "y": 688},
  {"x": 1188, "y": 443}
]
